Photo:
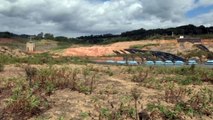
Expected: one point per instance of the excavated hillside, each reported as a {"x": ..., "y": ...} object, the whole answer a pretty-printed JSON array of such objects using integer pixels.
[{"x": 171, "y": 46}]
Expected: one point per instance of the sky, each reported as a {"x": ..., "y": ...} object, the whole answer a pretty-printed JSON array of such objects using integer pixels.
[{"x": 74, "y": 18}]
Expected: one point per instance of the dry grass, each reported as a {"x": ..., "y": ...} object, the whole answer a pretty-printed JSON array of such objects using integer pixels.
[{"x": 108, "y": 92}]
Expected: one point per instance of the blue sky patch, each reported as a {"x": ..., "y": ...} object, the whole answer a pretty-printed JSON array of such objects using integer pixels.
[{"x": 199, "y": 11}]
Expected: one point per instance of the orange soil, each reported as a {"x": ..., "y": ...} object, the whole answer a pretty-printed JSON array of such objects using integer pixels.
[{"x": 102, "y": 50}]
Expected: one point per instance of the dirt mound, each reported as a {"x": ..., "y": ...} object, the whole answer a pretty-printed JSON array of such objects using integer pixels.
[{"x": 11, "y": 52}]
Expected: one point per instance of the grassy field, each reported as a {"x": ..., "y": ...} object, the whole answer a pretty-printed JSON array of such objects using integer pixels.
[{"x": 67, "y": 90}]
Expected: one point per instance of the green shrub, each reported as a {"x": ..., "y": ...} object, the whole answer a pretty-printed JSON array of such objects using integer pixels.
[
  {"x": 191, "y": 79},
  {"x": 7, "y": 59},
  {"x": 167, "y": 113},
  {"x": 153, "y": 83},
  {"x": 84, "y": 115},
  {"x": 140, "y": 77},
  {"x": 50, "y": 87}
]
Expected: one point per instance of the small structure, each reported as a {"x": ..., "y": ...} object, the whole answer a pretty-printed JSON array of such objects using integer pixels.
[
  {"x": 181, "y": 37},
  {"x": 30, "y": 46},
  {"x": 192, "y": 40}
]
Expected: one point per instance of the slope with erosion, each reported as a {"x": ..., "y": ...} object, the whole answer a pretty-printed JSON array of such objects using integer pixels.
[{"x": 170, "y": 46}]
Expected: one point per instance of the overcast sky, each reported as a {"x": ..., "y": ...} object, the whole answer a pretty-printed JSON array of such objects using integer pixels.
[{"x": 84, "y": 17}]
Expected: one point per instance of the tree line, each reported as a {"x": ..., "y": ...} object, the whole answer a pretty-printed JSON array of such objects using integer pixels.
[{"x": 140, "y": 34}]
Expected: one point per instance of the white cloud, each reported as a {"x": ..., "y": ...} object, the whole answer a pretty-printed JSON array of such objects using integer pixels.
[
  {"x": 83, "y": 17},
  {"x": 205, "y": 2}
]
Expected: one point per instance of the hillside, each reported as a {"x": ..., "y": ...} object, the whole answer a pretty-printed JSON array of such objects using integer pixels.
[{"x": 170, "y": 46}]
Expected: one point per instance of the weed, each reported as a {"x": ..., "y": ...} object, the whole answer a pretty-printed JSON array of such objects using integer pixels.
[
  {"x": 84, "y": 115},
  {"x": 152, "y": 83},
  {"x": 207, "y": 77},
  {"x": 61, "y": 117},
  {"x": 173, "y": 95},
  {"x": 104, "y": 112},
  {"x": 59, "y": 78},
  {"x": 92, "y": 82},
  {"x": 1, "y": 67},
  {"x": 50, "y": 87},
  {"x": 185, "y": 80},
  {"x": 30, "y": 72},
  {"x": 130, "y": 70},
  {"x": 136, "y": 95},
  {"x": 117, "y": 113},
  {"x": 140, "y": 77},
  {"x": 109, "y": 72},
  {"x": 86, "y": 72},
  {"x": 200, "y": 103},
  {"x": 192, "y": 68},
  {"x": 166, "y": 113},
  {"x": 87, "y": 86},
  {"x": 24, "y": 103},
  {"x": 191, "y": 79}
]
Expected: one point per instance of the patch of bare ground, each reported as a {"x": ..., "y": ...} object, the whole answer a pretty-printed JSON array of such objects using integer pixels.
[{"x": 11, "y": 71}]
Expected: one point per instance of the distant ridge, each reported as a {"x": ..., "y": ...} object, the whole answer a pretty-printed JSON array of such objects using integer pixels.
[{"x": 140, "y": 34}]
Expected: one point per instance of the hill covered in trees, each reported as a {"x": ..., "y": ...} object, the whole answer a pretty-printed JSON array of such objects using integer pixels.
[{"x": 140, "y": 34}]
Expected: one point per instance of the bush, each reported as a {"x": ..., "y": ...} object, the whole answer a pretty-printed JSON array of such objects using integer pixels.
[
  {"x": 52, "y": 78},
  {"x": 166, "y": 112},
  {"x": 200, "y": 103},
  {"x": 30, "y": 72}
]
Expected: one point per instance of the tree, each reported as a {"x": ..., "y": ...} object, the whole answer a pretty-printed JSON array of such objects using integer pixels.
[
  {"x": 48, "y": 36},
  {"x": 40, "y": 35},
  {"x": 61, "y": 38}
]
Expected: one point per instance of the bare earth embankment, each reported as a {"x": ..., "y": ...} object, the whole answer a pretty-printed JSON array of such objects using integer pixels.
[{"x": 170, "y": 46}]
